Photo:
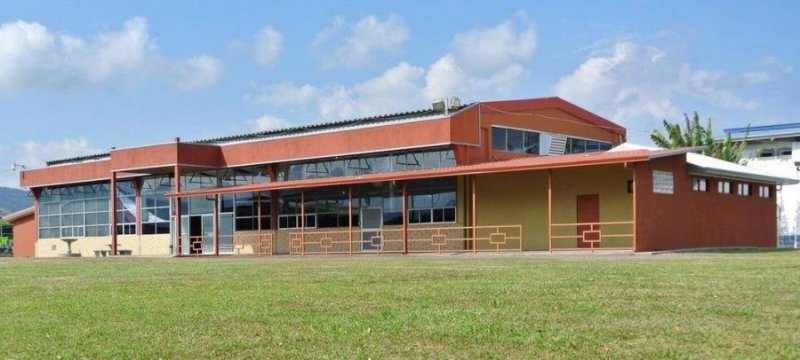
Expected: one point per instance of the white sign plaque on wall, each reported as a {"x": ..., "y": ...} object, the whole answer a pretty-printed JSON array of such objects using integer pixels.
[{"x": 663, "y": 182}]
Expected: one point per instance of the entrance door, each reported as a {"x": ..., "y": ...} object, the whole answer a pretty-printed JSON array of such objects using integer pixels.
[
  {"x": 197, "y": 234},
  {"x": 588, "y": 208},
  {"x": 371, "y": 226}
]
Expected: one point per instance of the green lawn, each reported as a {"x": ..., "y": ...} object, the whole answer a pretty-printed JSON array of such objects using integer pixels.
[{"x": 712, "y": 305}]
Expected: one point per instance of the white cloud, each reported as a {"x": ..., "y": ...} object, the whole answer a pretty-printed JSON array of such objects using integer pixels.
[
  {"x": 285, "y": 94},
  {"x": 197, "y": 72},
  {"x": 34, "y": 154},
  {"x": 394, "y": 90},
  {"x": 756, "y": 77},
  {"x": 775, "y": 64},
  {"x": 267, "y": 46},
  {"x": 630, "y": 81},
  {"x": 495, "y": 47},
  {"x": 347, "y": 45},
  {"x": 484, "y": 62},
  {"x": 407, "y": 86},
  {"x": 35, "y": 58},
  {"x": 269, "y": 122}
]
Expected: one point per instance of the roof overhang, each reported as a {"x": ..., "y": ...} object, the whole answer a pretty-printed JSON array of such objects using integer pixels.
[
  {"x": 521, "y": 164},
  {"x": 13, "y": 217},
  {"x": 707, "y": 166}
]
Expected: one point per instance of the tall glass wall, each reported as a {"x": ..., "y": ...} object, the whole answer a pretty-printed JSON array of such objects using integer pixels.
[
  {"x": 368, "y": 164},
  {"x": 74, "y": 211},
  {"x": 155, "y": 206},
  {"x": 126, "y": 208},
  {"x": 432, "y": 201}
]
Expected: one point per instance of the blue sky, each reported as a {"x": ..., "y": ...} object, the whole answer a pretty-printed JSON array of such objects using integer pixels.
[{"x": 80, "y": 77}]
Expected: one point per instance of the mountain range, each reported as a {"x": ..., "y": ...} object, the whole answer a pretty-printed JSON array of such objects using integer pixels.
[{"x": 12, "y": 200}]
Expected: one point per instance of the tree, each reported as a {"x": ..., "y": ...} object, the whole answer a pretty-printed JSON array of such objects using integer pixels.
[{"x": 695, "y": 135}]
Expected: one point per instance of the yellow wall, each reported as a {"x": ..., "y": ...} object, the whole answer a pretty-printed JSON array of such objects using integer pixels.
[
  {"x": 611, "y": 183},
  {"x": 512, "y": 199},
  {"x": 145, "y": 245},
  {"x": 521, "y": 198}
]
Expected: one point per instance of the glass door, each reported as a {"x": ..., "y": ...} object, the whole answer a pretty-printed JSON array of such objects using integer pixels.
[{"x": 371, "y": 226}]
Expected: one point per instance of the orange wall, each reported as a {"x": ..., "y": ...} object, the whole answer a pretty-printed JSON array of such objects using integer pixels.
[
  {"x": 469, "y": 131},
  {"x": 25, "y": 236},
  {"x": 81, "y": 172},
  {"x": 691, "y": 219}
]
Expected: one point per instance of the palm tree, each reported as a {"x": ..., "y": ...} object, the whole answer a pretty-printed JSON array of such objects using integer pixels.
[{"x": 695, "y": 135}]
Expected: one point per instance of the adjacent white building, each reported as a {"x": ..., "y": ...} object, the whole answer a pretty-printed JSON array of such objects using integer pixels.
[{"x": 776, "y": 149}]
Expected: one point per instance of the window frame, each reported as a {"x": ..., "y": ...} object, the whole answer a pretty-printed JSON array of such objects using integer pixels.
[
  {"x": 743, "y": 189},
  {"x": 724, "y": 187},
  {"x": 764, "y": 191},
  {"x": 700, "y": 184}
]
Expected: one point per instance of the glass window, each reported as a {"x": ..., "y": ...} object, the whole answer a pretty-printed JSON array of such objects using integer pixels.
[
  {"x": 578, "y": 146},
  {"x": 432, "y": 201},
  {"x": 763, "y": 191},
  {"x": 531, "y": 142},
  {"x": 724, "y": 187},
  {"x": 517, "y": 141},
  {"x": 743, "y": 189},
  {"x": 155, "y": 206},
  {"x": 514, "y": 140},
  {"x": 498, "y": 138},
  {"x": 699, "y": 184},
  {"x": 74, "y": 211}
]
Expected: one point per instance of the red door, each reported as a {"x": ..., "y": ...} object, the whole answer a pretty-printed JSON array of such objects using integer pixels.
[{"x": 588, "y": 208}]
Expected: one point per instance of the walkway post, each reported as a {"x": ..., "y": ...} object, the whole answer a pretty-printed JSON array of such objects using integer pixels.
[
  {"x": 137, "y": 185},
  {"x": 113, "y": 198},
  {"x": 350, "y": 219},
  {"x": 633, "y": 193},
  {"x": 177, "y": 220},
  {"x": 302, "y": 222},
  {"x": 405, "y": 217},
  {"x": 474, "y": 215},
  {"x": 550, "y": 210},
  {"x": 216, "y": 224}
]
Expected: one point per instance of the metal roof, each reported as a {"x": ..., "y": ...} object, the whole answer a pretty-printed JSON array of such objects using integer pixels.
[
  {"x": 705, "y": 165},
  {"x": 19, "y": 215},
  {"x": 764, "y": 132},
  {"x": 521, "y": 164},
  {"x": 342, "y": 124}
]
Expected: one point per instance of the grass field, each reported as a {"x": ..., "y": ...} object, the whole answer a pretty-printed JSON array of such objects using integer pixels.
[{"x": 709, "y": 305}]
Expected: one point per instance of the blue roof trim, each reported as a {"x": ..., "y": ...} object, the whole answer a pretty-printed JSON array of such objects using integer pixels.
[{"x": 753, "y": 129}]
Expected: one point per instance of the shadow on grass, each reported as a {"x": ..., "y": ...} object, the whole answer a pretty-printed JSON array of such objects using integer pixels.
[{"x": 732, "y": 250}]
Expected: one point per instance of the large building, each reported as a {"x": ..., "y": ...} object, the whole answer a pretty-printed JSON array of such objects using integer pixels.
[
  {"x": 533, "y": 174},
  {"x": 776, "y": 149}
]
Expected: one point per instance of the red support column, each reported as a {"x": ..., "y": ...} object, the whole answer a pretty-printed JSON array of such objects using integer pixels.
[
  {"x": 113, "y": 199},
  {"x": 302, "y": 222},
  {"x": 137, "y": 186},
  {"x": 633, "y": 193},
  {"x": 216, "y": 225},
  {"x": 350, "y": 218},
  {"x": 177, "y": 184},
  {"x": 474, "y": 216},
  {"x": 550, "y": 210},
  {"x": 405, "y": 217},
  {"x": 273, "y": 205}
]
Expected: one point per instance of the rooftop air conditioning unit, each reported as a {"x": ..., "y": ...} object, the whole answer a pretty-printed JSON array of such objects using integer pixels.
[
  {"x": 439, "y": 105},
  {"x": 454, "y": 103}
]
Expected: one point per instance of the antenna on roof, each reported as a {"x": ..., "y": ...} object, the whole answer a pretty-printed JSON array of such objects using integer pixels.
[{"x": 18, "y": 167}]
